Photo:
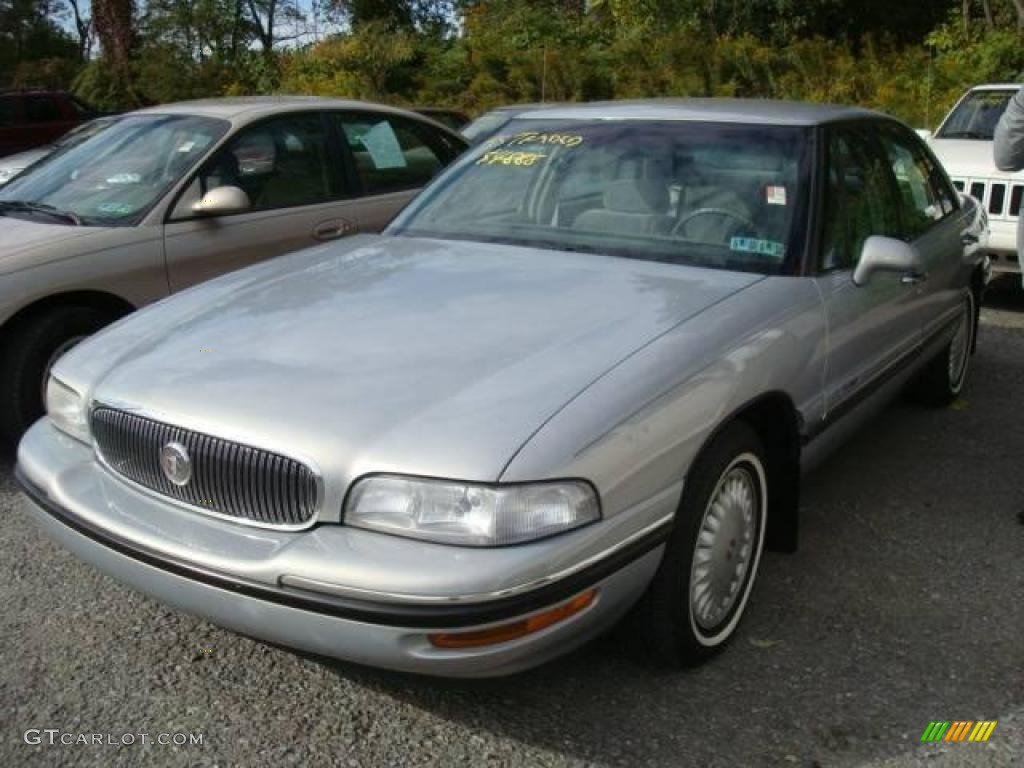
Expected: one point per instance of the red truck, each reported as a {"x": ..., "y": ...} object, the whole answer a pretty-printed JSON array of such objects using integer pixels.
[{"x": 29, "y": 118}]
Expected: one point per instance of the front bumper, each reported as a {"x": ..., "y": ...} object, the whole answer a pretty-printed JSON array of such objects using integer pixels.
[
  {"x": 1002, "y": 246},
  {"x": 91, "y": 513}
]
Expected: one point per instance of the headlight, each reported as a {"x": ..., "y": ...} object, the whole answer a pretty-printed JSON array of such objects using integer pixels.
[
  {"x": 470, "y": 514},
  {"x": 66, "y": 409}
]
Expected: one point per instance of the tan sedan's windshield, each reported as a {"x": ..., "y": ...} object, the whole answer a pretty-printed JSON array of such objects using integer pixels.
[
  {"x": 708, "y": 194},
  {"x": 115, "y": 176}
]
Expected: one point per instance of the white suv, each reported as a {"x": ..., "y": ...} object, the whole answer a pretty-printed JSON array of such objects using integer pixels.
[{"x": 963, "y": 143}]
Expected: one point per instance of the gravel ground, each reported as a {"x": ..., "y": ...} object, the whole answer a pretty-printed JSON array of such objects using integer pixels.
[{"x": 903, "y": 605}]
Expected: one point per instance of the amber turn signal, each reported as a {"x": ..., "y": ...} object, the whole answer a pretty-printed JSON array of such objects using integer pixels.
[{"x": 505, "y": 632}]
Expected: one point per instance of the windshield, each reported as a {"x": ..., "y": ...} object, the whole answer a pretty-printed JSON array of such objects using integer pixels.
[
  {"x": 975, "y": 117},
  {"x": 706, "y": 194},
  {"x": 114, "y": 176}
]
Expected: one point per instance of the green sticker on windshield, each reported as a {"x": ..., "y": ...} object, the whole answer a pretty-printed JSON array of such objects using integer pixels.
[
  {"x": 115, "y": 209},
  {"x": 759, "y": 246}
]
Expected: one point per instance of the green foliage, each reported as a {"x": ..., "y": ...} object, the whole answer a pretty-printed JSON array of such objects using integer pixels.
[
  {"x": 98, "y": 85},
  {"x": 34, "y": 48},
  {"x": 911, "y": 60}
]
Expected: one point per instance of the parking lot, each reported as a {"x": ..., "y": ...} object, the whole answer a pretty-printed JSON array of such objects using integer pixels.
[{"x": 903, "y": 606}]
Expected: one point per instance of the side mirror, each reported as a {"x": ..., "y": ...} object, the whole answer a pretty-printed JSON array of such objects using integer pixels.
[
  {"x": 886, "y": 254},
  {"x": 222, "y": 200}
]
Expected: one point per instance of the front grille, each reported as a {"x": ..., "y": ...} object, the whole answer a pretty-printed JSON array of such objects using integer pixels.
[
  {"x": 1002, "y": 200},
  {"x": 227, "y": 478}
]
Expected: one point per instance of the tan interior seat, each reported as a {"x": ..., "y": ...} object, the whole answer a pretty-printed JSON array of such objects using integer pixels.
[{"x": 631, "y": 206}]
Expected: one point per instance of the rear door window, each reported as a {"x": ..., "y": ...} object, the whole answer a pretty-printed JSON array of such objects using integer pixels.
[
  {"x": 924, "y": 195},
  {"x": 391, "y": 154}
]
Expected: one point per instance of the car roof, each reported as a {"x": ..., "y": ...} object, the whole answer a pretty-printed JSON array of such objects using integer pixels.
[
  {"x": 529, "y": 107},
  {"x": 759, "y": 111},
  {"x": 437, "y": 110},
  {"x": 243, "y": 109}
]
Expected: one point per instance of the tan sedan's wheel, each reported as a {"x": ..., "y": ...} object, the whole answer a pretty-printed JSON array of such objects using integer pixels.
[
  {"x": 28, "y": 352},
  {"x": 698, "y": 596}
]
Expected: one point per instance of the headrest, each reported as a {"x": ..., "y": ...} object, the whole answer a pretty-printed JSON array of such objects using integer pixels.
[{"x": 637, "y": 196}]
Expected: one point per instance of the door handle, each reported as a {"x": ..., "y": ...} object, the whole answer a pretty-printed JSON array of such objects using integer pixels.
[
  {"x": 331, "y": 230},
  {"x": 914, "y": 278}
]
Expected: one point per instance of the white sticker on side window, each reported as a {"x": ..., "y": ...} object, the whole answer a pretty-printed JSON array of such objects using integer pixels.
[{"x": 382, "y": 144}]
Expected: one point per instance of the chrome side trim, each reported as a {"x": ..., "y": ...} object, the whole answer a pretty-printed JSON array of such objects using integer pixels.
[{"x": 340, "y": 590}]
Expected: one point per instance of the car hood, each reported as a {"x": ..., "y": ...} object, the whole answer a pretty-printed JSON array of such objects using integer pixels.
[
  {"x": 25, "y": 242},
  {"x": 968, "y": 157},
  {"x": 392, "y": 353}
]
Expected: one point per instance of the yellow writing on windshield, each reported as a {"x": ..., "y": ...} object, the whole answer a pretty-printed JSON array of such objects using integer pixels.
[
  {"x": 510, "y": 157},
  {"x": 537, "y": 137}
]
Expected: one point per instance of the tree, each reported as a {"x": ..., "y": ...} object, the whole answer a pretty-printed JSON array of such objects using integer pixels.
[
  {"x": 275, "y": 21},
  {"x": 115, "y": 28},
  {"x": 32, "y": 43}
]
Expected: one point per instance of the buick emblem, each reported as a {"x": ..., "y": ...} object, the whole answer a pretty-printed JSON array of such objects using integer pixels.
[{"x": 176, "y": 464}]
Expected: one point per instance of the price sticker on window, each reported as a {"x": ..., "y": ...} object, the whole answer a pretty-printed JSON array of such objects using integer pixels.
[{"x": 775, "y": 194}]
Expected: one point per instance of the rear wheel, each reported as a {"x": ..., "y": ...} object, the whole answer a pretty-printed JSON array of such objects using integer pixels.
[
  {"x": 26, "y": 356},
  {"x": 700, "y": 591},
  {"x": 944, "y": 378}
]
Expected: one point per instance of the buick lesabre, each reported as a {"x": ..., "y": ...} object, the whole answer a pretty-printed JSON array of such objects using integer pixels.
[{"x": 580, "y": 375}]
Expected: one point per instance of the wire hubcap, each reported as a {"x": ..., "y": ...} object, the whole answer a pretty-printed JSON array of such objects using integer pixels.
[{"x": 725, "y": 547}]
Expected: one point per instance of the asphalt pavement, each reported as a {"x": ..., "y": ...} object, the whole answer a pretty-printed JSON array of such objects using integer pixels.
[{"x": 904, "y": 605}]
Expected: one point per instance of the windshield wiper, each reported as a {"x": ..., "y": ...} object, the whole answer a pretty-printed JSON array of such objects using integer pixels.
[{"x": 20, "y": 206}]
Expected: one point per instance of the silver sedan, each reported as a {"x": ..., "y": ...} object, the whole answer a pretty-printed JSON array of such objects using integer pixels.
[{"x": 581, "y": 374}]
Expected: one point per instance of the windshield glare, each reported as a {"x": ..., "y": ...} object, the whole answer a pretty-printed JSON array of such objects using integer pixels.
[
  {"x": 707, "y": 194},
  {"x": 84, "y": 131},
  {"x": 115, "y": 176},
  {"x": 976, "y": 116}
]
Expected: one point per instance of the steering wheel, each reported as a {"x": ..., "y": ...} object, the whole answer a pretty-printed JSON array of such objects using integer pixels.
[{"x": 678, "y": 226}]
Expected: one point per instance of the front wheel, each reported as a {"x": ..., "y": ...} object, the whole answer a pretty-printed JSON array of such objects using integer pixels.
[{"x": 698, "y": 595}]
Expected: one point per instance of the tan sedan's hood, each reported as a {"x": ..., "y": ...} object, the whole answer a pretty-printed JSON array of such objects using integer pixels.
[
  {"x": 25, "y": 243},
  {"x": 390, "y": 353}
]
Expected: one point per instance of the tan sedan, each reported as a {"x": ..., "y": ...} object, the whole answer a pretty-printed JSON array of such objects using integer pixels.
[{"x": 173, "y": 195}]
